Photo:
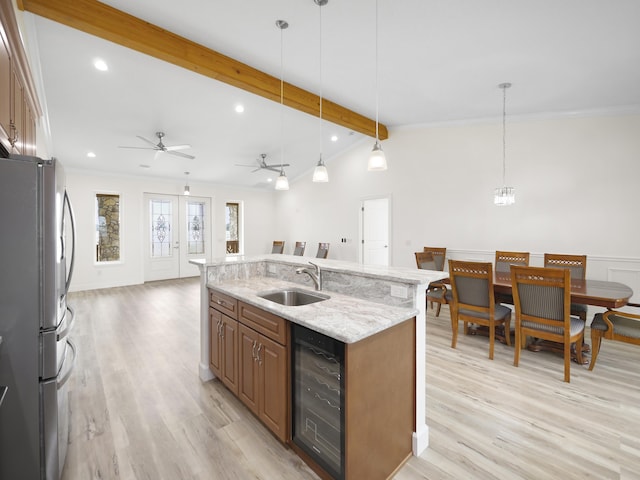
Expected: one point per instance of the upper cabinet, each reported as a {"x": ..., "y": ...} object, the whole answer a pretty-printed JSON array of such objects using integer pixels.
[{"x": 19, "y": 105}]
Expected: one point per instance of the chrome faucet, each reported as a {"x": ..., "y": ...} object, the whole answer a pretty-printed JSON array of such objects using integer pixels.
[{"x": 316, "y": 274}]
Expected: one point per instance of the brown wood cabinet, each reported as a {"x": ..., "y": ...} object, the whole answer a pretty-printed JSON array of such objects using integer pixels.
[
  {"x": 223, "y": 356},
  {"x": 18, "y": 105},
  {"x": 264, "y": 373},
  {"x": 249, "y": 354}
]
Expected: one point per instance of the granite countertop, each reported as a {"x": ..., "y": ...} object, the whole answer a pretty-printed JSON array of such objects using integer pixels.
[{"x": 345, "y": 318}]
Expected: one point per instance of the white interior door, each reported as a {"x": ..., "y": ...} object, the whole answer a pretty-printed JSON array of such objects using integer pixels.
[
  {"x": 375, "y": 231},
  {"x": 177, "y": 230}
]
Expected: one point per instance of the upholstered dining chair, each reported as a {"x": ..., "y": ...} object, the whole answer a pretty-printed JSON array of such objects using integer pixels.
[
  {"x": 433, "y": 258},
  {"x": 614, "y": 325},
  {"x": 278, "y": 246},
  {"x": 503, "y": 263},
  {"x": 542, "y": 298},
  {"x": 299, "y": 248},
  {"x": 323, "y": 250},
  {"x": 474, "y": 302},
  {"x": 577, "y": 265}
]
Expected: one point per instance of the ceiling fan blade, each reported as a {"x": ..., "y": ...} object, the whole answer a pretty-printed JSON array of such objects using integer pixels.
[
  {"x": 177, "y": 147},
  {"x": 273, "y": 169},
  {"x": 138, "y": 148},
  {"x": 154, "y": 145},
  {"x": 277, "y": 166},
  {"x": 180, "y": 154}
]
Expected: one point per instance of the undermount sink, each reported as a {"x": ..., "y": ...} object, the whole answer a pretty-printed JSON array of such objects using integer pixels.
[{"x": 294, "y": 297}]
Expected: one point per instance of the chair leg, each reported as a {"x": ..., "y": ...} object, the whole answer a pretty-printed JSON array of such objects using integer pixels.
[
  {"x": 507, "y": 330},
  {"x": 492, "y": 338},
  {"x": 567, "y": 361},
  {"x": 596, "y": 339},
  {"x": 438, "y": 309},
  {"x": 579, "y": 345},
  {"x": 454, "y": 330},
  {"x": 516, "y": 347}
]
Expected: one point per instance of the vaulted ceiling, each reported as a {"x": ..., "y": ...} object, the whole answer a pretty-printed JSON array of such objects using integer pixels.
[{"x": 438, "y": 62}]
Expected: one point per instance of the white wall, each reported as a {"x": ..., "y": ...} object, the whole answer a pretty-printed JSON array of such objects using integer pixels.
[
  {"x": 82, "y": 186},
  {"x": 576, "y": 180}
]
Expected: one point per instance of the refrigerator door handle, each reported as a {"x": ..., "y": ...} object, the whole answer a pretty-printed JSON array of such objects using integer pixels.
[
  {"x": 67, "y": 202},
  {"x": 64, "y": 376},
  {"x": 69, "y": 325}
]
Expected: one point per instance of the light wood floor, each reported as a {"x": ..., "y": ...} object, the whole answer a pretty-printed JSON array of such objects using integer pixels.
[{"x": 139, "y": 410}]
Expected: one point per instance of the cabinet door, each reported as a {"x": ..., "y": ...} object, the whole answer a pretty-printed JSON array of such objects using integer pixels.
[
  {"x": 273, "y": 386},
  {"x": 248, "y": 382},
  {"x": 17, "y": 114},
  {"x": 5, "y": 92},
  {"x": 215, "y": 349},
  {"x": 230, "y": 353}
]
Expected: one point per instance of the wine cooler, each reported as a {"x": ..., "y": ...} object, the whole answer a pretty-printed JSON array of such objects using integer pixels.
[{"x": 318, "y": 398}]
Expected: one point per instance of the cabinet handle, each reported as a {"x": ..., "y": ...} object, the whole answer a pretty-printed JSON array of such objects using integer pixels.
[
  {"x": 222, "y": 330},
  {"x": 253, "y": 351},
  {"x": 13, "y": 140},
  {"x": 259, "y": 359},
  {"x": 220, "y": 302},
  {"x": 219, "y": 325}
]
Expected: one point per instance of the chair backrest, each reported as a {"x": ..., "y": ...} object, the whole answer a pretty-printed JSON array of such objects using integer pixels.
[
  {"x": 472, "y": 285},
  {"x": 504, "y": 260},
  {"x": 278, "y": 246},
  {"x": 323, "y": 250},
  {"x": 425, "y": 261},
  {"x": 439, "y": 254},
  {"x": 542, "y": 295},
  {"x": 299, "y": 248},
  {"x": 576, "y": 264}
]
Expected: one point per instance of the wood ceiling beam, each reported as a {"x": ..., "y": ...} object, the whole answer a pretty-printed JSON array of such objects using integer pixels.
[{"x": 106, "y": 22}]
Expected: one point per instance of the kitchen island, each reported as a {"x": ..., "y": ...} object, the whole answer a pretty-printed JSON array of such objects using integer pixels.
[{"x": 371, "y": 309}]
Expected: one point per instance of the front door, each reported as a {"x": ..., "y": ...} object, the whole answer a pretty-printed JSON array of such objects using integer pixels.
[
  {"x": 177, "y": 230},
  {"x": 375, "y": 231}
]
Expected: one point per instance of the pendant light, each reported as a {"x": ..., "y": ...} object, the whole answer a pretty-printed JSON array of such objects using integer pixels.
[
  {"x": 377, "y": 158},
  {"x": 320, "y": 174},
  {"x": 282, "y": 183},
  {"x": 504, "y": 196},
  {"x": 187, "y": 190}
]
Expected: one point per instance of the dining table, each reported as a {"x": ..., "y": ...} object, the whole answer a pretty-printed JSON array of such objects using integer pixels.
[{"x": 599, "y": 293}]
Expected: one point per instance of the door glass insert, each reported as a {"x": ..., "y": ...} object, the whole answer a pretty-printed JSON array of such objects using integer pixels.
[
  {"x": 195, "y": 228},
  {"x": 161, "y": 221}
]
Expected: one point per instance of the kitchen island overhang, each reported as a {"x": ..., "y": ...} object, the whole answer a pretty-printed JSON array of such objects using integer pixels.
[{"x": 365, "y": 301}]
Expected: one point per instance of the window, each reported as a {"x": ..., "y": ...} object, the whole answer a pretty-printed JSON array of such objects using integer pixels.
[
  {"x": 195, "y": 228},
  {"x": 232, "y": 216},
  {"x": 107, "y": 228}
]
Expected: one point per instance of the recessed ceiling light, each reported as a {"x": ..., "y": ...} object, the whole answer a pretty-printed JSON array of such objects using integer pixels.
[
  {"x": 145, "y": 166},
  {"x": 91, "y": 155},
  {"x": 334, "y": 138},
  {"x": 100, "y": 65},
  {"x": 269, "y": 179},
  {"x": 239, "y": 108}
]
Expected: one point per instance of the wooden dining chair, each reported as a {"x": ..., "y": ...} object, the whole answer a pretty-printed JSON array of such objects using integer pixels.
[
  {"x": 433, "y": 258},
  {"x": 542, "y": 299},
  {"x": 474, "y": 302},
  {"x": 614, "y": 325},
  {"x": 577, "y": 265},
  {"x": 503, "y": 263},
  {"x": 323, "y": 250},
  {"x": 278, "y": 246},
  {"x": 299, "y": 248}
]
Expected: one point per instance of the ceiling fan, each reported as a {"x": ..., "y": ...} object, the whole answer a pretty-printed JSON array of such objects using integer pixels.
[
  {"x": 162, "y": 148},
  {"x": 261, "y": 164}
]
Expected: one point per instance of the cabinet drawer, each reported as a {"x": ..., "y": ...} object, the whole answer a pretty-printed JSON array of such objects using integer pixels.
[
  {"x": 268, "y": 324},
  {"x": 223, "y": 303}
]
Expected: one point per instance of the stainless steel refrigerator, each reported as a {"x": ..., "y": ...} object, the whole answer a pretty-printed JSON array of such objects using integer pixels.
[{"x": 37, "y": 240}]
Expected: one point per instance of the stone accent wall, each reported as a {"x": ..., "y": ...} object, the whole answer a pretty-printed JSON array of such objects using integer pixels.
[{"x": 108, "y": 241}]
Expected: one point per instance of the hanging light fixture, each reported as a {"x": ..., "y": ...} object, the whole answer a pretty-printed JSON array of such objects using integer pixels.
[
  {"x": 504, "y": 196},
  {"x": 320, "y": 174},
  {"x": 377, "y": 158},
  {"x": 187, "y": 190},
  {"x": 282, "y": 183}
]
